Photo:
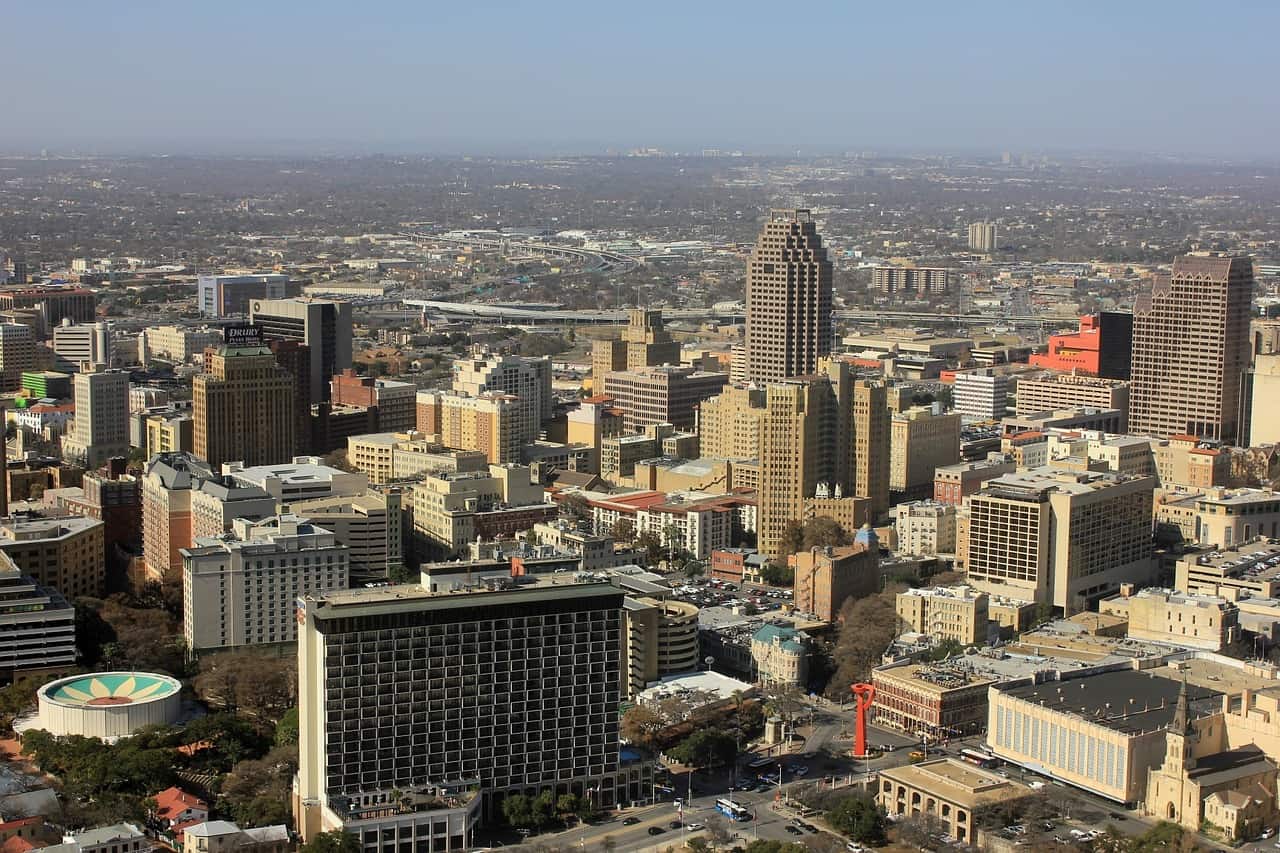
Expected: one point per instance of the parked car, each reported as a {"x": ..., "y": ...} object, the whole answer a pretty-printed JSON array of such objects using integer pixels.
[{"x": 656, "y": 830}]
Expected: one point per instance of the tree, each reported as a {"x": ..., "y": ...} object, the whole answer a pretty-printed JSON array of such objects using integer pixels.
[
  {"x": 16, "y": 698},
  {"x": 624, "y": 530},
  {"x": 698, "y": 844},
  {"x": 651, "y": 544},
  {"x": 517, "y": 811},
  {"x": 640, "y": 725},
  {"x": 287, "y": 728},
  {"x": 718, "y": 832},
  {"x": 263, "y": 686},
  {"x": 256, "y": 792},
  {"x": 858, "y": 817},
  {"x": 576, "y": 507},
  {"x": 867, "y": 627},
  {"x": 820, "y": 532},
  {"x": 919, "y": 830},
  {"x": 776, "y": 574},
  {"x": 566, "y": 804},
  {"x": 336, "y": 841},
  {"x": 705, "y": 748},
  {"x": 543, "y": 808},
  {"x": 762, "y": 846}
]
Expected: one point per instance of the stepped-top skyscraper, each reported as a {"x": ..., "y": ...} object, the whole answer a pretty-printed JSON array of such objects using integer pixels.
[
  {"x": 1191, "y": 349},
  {"x": 788, "y": 299}
]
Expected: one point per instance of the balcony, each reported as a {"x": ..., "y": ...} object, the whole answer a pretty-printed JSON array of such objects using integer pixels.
[{"x": 459, "y": 794}]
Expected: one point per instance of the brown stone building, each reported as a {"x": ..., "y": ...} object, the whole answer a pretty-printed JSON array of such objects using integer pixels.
[
  {"x": 826, "y": 577},
  {"x": 243, "y": 408}
]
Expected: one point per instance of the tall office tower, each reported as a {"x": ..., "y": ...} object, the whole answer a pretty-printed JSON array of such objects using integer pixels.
[
  {"x": 1191, "y": 349},
  {"x": 525, "y": 377},
  {"x": 455, "y": 696},
  {"x": 922, "y": 440},
  {"x": 731, "y": 425},
  {"x": 244, "y": 408},
  {"x": 1064, "y": 538},
  {"x": 661, "y": 395},
  {"x": 644, "y": 343},
  {"x": 796, "y": 454},
  {"x": 920, "y": 281},
  {"x": 229, "y": 295},
  {"x": 872, "y": 443},
  {"x": 102, "y": 418},
  {"x": 17, "y": 354},
  {"x": 983, "y": 236},
  {"x": 788, "y": 299},
  {"x": 81, "y": 343},
  {"x": 325, "y": 327},
  {"x": 295, "y": 358}
]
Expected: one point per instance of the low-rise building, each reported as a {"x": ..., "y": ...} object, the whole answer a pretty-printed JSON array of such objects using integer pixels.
[
  {"x": 953, "y": 483},
  {"x": 1252, "y": 567},
  {"x": 780, "y": 653},
  {"x": 947, "y": 790},
  {"x": 221, "y": 836},
  {"x": 1191, "y": 620},
  {"x": 116, "y": 838},
  {"x": 946, "y": 613},
  {"x": 826, "y": 577},
  {"x": 64, "y": 553},
  {"x": 926, "y": 528},
  {"x": 931, "y": 700},
  {"x": 37, "y": 625}
]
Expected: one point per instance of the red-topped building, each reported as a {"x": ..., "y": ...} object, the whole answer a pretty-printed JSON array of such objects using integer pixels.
[{"x": 1099, "y": 348}]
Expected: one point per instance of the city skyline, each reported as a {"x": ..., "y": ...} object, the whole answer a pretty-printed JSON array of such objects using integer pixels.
[{"x": 569, "y": 80}]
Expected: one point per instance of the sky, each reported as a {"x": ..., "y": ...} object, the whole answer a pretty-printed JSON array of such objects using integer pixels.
[{"x": 468, "y": 76}]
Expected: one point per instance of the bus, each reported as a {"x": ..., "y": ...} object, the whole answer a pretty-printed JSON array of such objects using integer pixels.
[
  {"x": 762, "y": 762},
  {"x": 732, "y": 810},
  {"x": 980, "y": 758}
]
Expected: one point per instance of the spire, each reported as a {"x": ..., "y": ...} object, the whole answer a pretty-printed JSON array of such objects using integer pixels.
[{"x": 1181, "y": 722}]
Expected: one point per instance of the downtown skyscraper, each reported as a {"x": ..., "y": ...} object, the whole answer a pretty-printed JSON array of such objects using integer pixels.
[
  {"x": 788, "y": 299},
  {"x": 1191, "y": 349}
]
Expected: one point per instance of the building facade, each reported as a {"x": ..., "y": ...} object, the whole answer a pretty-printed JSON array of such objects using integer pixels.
[
  {"x": 324, "y": 327},
  {"x": 661, "y": 395},
  {"x": 243, "y": 409}
]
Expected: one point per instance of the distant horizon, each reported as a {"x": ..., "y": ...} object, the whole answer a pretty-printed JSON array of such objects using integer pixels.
[{"x": 571, "y": 78}]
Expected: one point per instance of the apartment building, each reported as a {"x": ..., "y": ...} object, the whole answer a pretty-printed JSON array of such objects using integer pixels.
[
  {"x": 495, "y": 423},
  {"x": 921, "y": 441},
  {"x": 946, "y": 613},
  {"x": 395, "y": 401},
  {"x": 217, "y": 501},
  {"x": 926, "y": 528},
  {"x": 526, "y": 377},
  {"x": 1065, "y": 538},
  {"x": 913, "y": 281},
  {"x": 17, "y": 355},
  {"x": 180, "y": 344},
  {"x": 242, "y": 590},
  {"x": 661, "y": 395},
  {"x": 388, "y": 457},
  {"x": 64, "y": 553},
  {"x": 984, "y": 236},
  {"x": 731, "y": 424},
  {"x": 1184, "y": 460},
  {"x": 449, "y": 509},
  {"x": 453, "y": 699}
]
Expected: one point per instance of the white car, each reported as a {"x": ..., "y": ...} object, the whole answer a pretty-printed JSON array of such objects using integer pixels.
[{"x": 694, "y": 827}]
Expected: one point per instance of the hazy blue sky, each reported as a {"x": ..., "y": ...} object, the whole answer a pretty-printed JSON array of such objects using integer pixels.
[{"x": 582, "y": 76}]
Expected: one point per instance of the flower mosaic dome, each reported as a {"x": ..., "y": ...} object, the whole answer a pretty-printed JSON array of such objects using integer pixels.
[{"x": 111, "y": 688}]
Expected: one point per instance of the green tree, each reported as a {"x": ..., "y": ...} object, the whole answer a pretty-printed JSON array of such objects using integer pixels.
[
  {"x": 776, "y": 574},
  {"x": 623, "y": 530},
  {"x": 543, "y": 808},
  {"x": 576, "y": 507},
  {"x": 566, "y": 804},
  {"x": 705, "y": 748},
  {"x": 651, "y": 544},
  {"x": 287, "y": 729},
  {"x": 858, "y": 817},
  {"x": 336, "y": 841},
  {"x": 762, "y": 846},
  {"x": 517, "y": 811}
]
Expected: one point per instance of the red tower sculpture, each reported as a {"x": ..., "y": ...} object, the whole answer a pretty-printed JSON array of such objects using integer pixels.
[{"x": 863, "y": 696}]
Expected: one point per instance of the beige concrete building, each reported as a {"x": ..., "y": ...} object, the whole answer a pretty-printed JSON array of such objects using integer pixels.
[
  {"x": 926, "y": 528},
  {"x": 984, "y": 236},
  {"x": 945, "y": 789},
  {"x": 243, "y": 408},
  {"x": 660, "y": 638},
  {"x": 495, "y": 423},
  {"x": 1192, "y": 620},
  {"x": 788, "y": 299},
  {"x": 61, "y": 552},
  {"x": 1060, "y": 537},
  {"x": 528, "y": 378},
  {"x": 590, "y": 424},
  {"x": 102, "y": 418},
  {"x": 388, "y": 457},
  {"x": 445, "y": 507},
  {"x": 780, "y": 655},
  {"x": 1264, "y": 422},
  {"x": 1056, "y": 391},
  {"x": 921, "y": 441},
  {"x": 661, "y": 395},
  {"x": 946, "y": 613},
  {"x": 180, "y": 344},
  {"x": 368, "y": 524},
  {"x": 1191, "y": 348},
  {"x": 220, "y": 836},
  {"x": 644, "y": 343},
  {"x": 1184, "y": 460},
  {"x": 826, "y": 577},
  {"x": 170, "y": 432},
  {"x": 1251, "y": 568},
  {"x": 917, "y": 281},
  {"x": 731, "y": 424},
  {"x": 1223, "y": 518},
  {"x": 217, "y": 501},
  {"x": 243, "y": 590}
]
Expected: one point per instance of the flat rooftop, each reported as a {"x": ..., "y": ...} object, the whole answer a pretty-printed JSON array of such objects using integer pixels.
[
  {"x": 1126, "y": 701},
  {"x": 956, "y": 782}
]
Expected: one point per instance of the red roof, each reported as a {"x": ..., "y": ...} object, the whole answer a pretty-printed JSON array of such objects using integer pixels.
[
  {"x": 172, "y": 802},
  {"x": 10, "y": 825},
  {"x": 598, "y": 398},
  {"x": 16, "y": 845}
]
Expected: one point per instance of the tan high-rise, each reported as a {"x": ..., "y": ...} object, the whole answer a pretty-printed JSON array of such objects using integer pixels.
[
  {"x": 788, "y": 299},
  {"x": 644, "y": 343},
  {"x": 244, "y": 408},
  {"x": 1191, "y": 348},
  {"x": 731, "y": 425},
  {"x": 496, "y": 424}
]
